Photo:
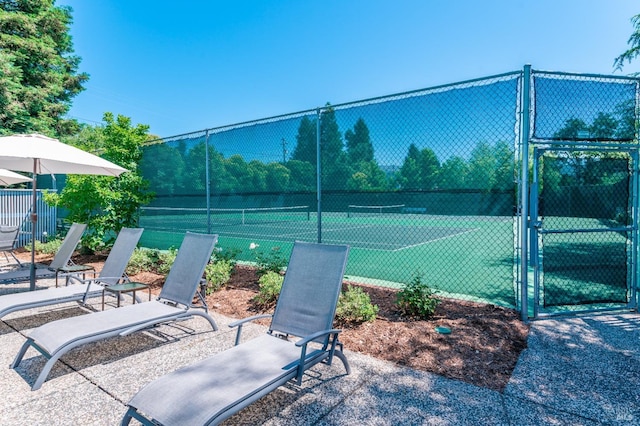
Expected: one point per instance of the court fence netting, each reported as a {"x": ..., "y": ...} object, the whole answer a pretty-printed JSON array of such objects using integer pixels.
[{"x": 463, "y": 183}]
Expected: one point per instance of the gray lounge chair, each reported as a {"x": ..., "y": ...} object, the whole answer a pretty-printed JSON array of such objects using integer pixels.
[
  {"x": 60, "y": 261},
  {"x": 174, "y": 303},
  {"x": 8, "y": 237},
  {"x": 211, "y": 390},
  {"x": 112, "y": 273}
]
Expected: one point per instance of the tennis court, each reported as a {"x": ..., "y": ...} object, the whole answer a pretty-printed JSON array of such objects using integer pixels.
[
  {"x": 390, "y": 246},
  {"x": 371, "y": 231}
]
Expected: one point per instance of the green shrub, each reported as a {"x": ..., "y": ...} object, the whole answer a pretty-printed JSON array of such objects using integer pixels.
[
  {"x": 141, "y": 260},
  {"x": 229, "y": 255},
  {"x": 151, "y": 260},
  {"x": 217, "y": 274},
  {"x": 50, "y": 247},
  {"x": 269, "y": 262},
  {"x": 355, "y": 307},
  {"x": 164, "y": 260},
  {"x": 416, "y": 299},
  {"x": 270, "y": 285}
]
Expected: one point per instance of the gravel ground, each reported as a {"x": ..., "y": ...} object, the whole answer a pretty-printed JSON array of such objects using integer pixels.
[{"x": 580, "y": 370}]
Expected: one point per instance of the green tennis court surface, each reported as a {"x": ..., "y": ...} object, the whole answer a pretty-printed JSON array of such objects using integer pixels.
[
  {"x": 380, "y": 232},
  {"x": 469, "y": 257}
]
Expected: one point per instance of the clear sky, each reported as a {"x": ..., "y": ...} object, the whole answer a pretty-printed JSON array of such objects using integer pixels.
[{"x": 186, "y": 66}]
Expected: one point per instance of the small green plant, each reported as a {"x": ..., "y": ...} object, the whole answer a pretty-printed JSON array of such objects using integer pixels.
[
  {"x": 270, "y": 285},
  {"x": 164, "y": 260},
  {"x": 50, "y": 247},
  {"x": 141, "y": 260},
  {"x": 227, "y": 254},
  {"x": 355, "y": 307},
  {"x": 269, "y": 262},
  {"x": 416, "y": 298},
  {"x": 217, "y": 274}
]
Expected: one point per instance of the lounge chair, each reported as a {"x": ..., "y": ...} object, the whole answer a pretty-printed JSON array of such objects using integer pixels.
[
  {"x": 57, "y": 266},
  {"x": 112, "y": 273},
  {"x": 174, "y": 303},
  {"x": 211, "y": 390},
  {"x": 8, "y": 237}
]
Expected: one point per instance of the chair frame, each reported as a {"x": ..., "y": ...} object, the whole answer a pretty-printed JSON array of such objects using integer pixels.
[
  {"x": 60, "y": 260},
  {"x": 165, "y": 309},
  {"x": 126, "y": 241}
]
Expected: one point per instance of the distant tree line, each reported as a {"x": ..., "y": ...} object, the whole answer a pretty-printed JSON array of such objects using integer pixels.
[{"x": 347, "y": 163}]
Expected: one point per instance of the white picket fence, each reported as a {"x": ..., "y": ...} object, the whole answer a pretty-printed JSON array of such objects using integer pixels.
[{"x": 15, "y": 210}]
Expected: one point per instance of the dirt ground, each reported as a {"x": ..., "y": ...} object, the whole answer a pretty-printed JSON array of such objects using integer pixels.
[{"x": 482, "y": 348}]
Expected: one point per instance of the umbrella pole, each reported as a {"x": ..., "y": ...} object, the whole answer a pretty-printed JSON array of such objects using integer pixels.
[{"x": 34, "y": 221}]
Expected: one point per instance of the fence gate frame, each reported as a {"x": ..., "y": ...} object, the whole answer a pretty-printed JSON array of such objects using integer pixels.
[{"x": 534, "y": 229}]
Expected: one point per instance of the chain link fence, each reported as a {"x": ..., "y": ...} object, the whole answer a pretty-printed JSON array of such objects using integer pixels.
[
  {"x": 422, "y": 183},
  {"x": 585, "y": 178}
]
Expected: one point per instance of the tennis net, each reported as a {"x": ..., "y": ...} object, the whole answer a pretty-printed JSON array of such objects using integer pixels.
[{"x": 363, "y": 211}]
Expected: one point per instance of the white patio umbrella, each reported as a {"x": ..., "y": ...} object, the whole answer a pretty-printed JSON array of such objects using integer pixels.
[
  {"x": 42, "y": 155},
  {"x": 10, "y": 178}
]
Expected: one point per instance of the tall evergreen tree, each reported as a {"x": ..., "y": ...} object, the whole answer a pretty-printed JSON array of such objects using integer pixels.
[
  {"x": 429, "y": 169},
  {"x": 634, "y": 45},
  {"x": 359, "y": 146},
  {"x": 38, "y": 69},
  {"x": 335, "y": 168},
  {"x": 365, "y": 171},
  {"x": 409, "y": 174},
  {"x": 306, "y": 141}
]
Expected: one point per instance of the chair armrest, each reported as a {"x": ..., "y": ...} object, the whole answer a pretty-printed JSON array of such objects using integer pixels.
[
  {"x": 248, "y": 319},
  {"x": 241, "y": 322},
  {"x": 315, "y": 335},
  {"x": 97, "y": 280}
]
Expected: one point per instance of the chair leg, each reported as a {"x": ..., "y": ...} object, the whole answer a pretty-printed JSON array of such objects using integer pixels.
[
  {"x": 45, "y": 371},
  {"x": 127, "y": 417},
  {"x": 207, "y": 317},
  {"x": 21, "y": 352},
  {"x": 343, "y": 358},
  {"x": 132, "y": 413}
]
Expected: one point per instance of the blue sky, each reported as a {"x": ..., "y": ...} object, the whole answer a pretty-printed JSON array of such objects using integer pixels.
[{"x": 186, "y": 66}]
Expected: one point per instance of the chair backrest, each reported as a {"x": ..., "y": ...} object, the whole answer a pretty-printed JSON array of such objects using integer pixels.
[
  {"x": 119, "y": 255},
  {"x": 8, "y": 237},
  {"x": 311, "y": 287},
  {"x": 68, "y": 245},
  {"x": 185, "y": 274}
]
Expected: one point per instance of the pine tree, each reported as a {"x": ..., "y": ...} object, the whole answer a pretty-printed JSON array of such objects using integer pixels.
[{"x": 38, "y": 69}]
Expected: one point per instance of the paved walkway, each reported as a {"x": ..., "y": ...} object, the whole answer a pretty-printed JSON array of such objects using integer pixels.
[{"x": 576, "y": 371}]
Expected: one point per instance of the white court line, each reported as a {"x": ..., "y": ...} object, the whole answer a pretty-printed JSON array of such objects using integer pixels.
[
  {"x": 364, "y": 244},
  {"x": 437, "y": 239}
]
